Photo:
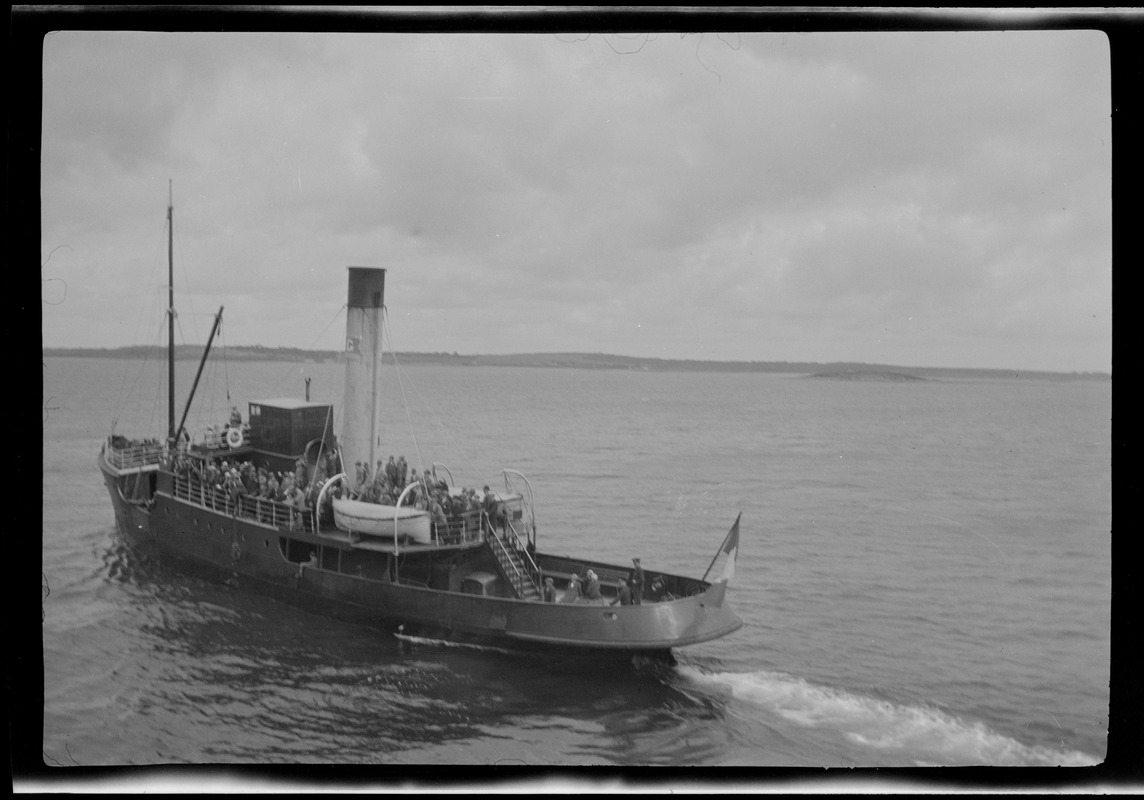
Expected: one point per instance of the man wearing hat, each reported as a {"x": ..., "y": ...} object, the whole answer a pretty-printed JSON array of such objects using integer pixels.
[{"x": 636, "y": 579}]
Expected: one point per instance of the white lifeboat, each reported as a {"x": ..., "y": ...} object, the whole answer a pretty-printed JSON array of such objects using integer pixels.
[{"x": 373, "y": 519}]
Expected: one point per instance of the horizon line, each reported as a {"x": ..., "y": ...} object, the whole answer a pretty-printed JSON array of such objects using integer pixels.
[{"x": 576, "y": 353}]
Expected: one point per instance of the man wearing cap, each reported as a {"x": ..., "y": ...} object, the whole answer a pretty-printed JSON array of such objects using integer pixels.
[{"x": 637, "y": 580}]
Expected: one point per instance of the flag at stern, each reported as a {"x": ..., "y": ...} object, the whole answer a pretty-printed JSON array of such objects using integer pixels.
[{"x": 723, "y": 565}]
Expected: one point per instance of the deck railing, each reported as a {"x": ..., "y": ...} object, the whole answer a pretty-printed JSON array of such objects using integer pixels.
[
  {"x": 513, "y": 539},
  {"x": 134, "y": 454},
  {"x": 259, "y": 509},
  {"x": 463, "y": 528}
]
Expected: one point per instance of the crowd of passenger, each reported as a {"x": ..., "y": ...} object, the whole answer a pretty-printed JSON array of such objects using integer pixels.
[
  {"x": 429, "y": 492},
  {"x": 300, "y": 488},
  {"x": 123, "y": 443},
  {"x": 237, "y": 479},
  {"x": 126, "y": 452}
]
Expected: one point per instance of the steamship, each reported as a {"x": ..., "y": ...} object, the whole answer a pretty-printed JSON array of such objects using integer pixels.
[{"x": 476, "y": 576}]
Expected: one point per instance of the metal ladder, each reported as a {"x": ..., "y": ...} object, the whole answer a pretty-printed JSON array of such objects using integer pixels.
[{"x": 512, "y": 565}]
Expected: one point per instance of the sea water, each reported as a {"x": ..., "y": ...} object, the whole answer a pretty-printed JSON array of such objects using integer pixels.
[{"x": 924, "y": 574}]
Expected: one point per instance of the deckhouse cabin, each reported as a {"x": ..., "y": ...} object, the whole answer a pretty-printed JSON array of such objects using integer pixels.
[{"x": 287, "y": 427}]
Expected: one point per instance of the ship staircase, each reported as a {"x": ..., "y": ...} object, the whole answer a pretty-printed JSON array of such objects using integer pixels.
[{"x": 513, "y": 560}]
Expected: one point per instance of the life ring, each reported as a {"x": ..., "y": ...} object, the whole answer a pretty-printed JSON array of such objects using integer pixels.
[{"x": 234, "y": 438}]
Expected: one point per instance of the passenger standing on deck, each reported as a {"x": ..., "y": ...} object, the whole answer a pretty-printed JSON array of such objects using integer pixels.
[
  {"x": 592, "y": 593},
  {"x": 249, "y": 478},
  {"x": 572, "y": 593},
  {"x": 624, "y": 595},
  {"x": 439, "y": 519},
  {"x": 489, "y": 504},
  {"x": 549, "y": 591},
  {"x": 637, "y": 581}
]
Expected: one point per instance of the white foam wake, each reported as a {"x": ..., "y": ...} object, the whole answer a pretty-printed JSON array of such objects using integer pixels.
[
  {"x": 925, "y": 735},
  {"x": 421, "y": 640}
]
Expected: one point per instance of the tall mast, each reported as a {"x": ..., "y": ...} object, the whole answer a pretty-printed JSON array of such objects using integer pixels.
[{"x": 170, "y": 315}]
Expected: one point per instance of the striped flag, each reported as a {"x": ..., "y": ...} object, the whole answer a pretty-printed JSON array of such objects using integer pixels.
[
  {"x": 727, "y": 554},
  {"x": 731, "y": 550}
]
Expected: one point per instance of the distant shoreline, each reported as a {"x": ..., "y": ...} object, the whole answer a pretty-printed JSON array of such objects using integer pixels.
[{"x": 836, "y": 370}]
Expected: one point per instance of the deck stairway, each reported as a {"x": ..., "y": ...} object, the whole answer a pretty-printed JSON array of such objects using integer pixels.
[{"x": 514, "y": 562}]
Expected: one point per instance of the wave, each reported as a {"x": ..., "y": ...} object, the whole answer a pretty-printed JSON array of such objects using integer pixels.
[{"x": 924, "y": 735}]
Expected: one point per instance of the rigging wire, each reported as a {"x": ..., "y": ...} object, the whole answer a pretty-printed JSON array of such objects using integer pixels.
[
  {"x": 225, "y": 363},
  {"x": 401, "y": 384},
  {"x": 468, "y": 460},
  {"x": 148, "y": 311},
  {"x": 181, "y": 258},
  {"x": 277, "y": 388}
]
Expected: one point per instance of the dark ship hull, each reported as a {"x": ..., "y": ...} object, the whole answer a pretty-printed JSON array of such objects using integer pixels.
[{"x": 428, "y": 595}]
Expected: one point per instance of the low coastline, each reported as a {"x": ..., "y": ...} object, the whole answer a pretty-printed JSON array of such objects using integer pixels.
[{"x": 836, "y": 370}]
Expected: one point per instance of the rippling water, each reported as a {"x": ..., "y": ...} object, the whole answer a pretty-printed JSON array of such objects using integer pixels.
[{"x": 925, "y": 574}]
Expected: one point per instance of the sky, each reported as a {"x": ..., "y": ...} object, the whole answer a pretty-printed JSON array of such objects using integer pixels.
[{"x": 908, "y": 198}]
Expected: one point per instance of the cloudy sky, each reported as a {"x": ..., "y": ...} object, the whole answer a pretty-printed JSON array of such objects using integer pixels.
[{"x": 918, "y": 199}]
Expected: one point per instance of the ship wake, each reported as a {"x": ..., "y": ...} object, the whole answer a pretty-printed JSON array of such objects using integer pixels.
[
  {"x": 426, "y": 641},
  {"x": 923, "y": 735}
]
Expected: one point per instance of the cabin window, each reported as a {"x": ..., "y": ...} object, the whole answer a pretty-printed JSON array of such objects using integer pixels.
[
  {"x": 480, "y": 583},
  {"x": 364, "y": 564}
]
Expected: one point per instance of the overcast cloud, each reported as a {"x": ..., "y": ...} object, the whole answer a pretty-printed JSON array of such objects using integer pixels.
[{"x": 925, "y": 199}]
